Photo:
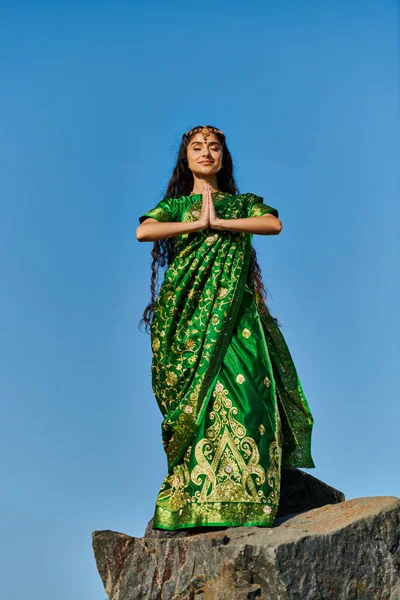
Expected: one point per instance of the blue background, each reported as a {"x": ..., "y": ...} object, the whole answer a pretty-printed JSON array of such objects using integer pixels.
[{"x": 95, "y": 98}]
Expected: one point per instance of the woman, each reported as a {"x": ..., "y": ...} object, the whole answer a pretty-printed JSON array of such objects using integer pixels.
[{"x": 233, "y": 406}]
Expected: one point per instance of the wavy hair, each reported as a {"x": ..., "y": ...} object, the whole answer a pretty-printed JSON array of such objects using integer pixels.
[{"x": 181, "y": 184}]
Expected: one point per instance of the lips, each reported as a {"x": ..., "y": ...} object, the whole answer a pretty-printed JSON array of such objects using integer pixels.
[{"x": 207, "y": 162}]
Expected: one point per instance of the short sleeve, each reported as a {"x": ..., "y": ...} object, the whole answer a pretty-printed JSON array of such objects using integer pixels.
[
  {"x": 257, "y": 208},
  {"x": 163, "y": 211}
]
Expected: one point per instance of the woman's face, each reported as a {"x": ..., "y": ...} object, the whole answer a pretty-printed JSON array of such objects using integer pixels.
[{"x": 204, "y": 155}]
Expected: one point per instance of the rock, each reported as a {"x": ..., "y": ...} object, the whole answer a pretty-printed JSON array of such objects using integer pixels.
[
  {"x": 348, "y": 550},
  {"x": 301, "y": 491}
]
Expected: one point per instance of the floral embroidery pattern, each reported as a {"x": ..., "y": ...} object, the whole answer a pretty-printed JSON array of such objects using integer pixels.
[
  {"x": 221, "y": 457},
  {"x": 227, "y": 470}
]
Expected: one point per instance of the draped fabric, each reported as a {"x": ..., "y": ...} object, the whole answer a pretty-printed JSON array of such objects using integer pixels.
[{"x": 234, "y": 412}]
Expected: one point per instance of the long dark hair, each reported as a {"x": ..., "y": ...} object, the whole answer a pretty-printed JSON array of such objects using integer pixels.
[{"x": 181, "y": 184}]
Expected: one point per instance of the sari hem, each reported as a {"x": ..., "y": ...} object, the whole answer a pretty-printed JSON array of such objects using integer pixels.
[
  {"x": 221, "y": 524},
  {"x": 175, "y": 521}
]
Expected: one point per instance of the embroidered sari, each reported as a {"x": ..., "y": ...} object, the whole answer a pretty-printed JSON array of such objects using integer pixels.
[{"x": 234, "y": 411}]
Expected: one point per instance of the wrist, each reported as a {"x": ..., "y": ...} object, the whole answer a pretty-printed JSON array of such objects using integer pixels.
[
  {"x": 200, "y": 225},
  {"x": 218, "y": 224}
]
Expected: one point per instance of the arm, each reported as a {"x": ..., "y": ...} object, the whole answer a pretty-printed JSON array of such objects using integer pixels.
[
  {"x": 264, "y": 225},
  {"x": 151, "y": 229}
]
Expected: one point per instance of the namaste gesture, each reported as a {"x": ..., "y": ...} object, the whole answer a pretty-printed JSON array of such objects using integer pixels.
[{"x": 208, "y": 215}]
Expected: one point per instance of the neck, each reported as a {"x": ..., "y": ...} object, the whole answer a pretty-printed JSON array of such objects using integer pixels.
[{"x": 198, "y": 183}]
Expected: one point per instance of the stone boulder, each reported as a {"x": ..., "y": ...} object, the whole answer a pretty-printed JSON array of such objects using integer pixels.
[{"x": 341, "y": 551}]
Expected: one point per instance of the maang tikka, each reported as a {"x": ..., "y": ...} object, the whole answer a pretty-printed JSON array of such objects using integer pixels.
[{"x": 204, "y": 130}]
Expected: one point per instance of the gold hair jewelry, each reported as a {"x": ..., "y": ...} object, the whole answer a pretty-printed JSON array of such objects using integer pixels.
[{"x": 205, "y": 131}]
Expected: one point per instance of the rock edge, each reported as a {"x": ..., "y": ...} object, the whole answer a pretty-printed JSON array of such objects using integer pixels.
[{"x": 339, "y": 551}]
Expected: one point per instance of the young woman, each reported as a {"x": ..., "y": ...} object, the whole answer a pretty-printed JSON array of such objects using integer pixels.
[{"x": 233, "y": 406}]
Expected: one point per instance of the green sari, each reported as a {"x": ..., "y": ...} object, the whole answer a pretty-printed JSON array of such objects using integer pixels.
[{"x": 234, "y": 412}]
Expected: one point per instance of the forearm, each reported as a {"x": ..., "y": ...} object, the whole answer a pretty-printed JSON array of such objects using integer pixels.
[
  {"x": 159, "y": 230},
  {"x": 264, "y": 225}
]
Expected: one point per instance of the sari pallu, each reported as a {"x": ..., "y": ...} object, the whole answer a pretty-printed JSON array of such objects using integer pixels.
[{"x": 233, "y": 408}]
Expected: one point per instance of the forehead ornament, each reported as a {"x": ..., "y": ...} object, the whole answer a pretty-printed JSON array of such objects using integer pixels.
[{"x": 205, "y": 131}]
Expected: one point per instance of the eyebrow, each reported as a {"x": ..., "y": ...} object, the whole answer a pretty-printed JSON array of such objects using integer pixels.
[{"x": 200, "y": 142}]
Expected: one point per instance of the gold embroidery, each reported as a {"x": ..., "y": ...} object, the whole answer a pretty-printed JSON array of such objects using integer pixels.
[
  {"x": 223, "y": 479},
  {"x": 274, "y": 472},
  {"x": 240, "y": 378},
  {"x": 171, "y": 378},
  {"x": 222, "y": 292},
  {"x": 190, "y": 344},
  {"x": 221, "y": 455},
  {"x": 155, "y": 344},
  {"x": 261, "y": 429},
  {"x": 246, "y": 333},
  {"x": 257, "y": 207},
  {"x": 175, "y": 496},
  {"x": 267, "y": 382}
]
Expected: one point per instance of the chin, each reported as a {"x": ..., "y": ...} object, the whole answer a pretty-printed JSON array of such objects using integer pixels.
[{"x": 211, "y": 170}]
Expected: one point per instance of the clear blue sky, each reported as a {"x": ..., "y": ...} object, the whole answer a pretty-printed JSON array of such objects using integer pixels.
[{"x": 95, "y": 97}]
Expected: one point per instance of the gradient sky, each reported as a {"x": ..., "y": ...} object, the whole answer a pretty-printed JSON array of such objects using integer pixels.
[{"x": 94, "y": 100}]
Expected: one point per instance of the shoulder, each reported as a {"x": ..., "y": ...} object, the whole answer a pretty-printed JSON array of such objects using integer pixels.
[
  {"x": 180, "y": 201},
  {"x": 257, "y": 207},
  {"x": 252, "y": 196},
  {"x": 245, "y": 196},
  {"x": 175, "y": 204},
  {"x": 249, "y": 198}
]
